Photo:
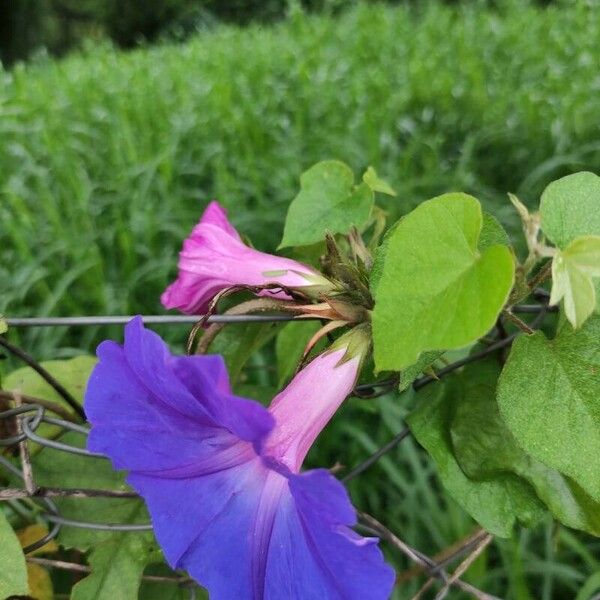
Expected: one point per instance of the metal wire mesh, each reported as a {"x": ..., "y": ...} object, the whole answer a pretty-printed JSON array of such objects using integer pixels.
[{"x": 27, "y": 418}]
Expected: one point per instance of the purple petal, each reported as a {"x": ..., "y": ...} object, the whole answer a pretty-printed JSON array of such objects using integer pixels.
[
  {"x": 314, "y": 554},
  {"x": 252, "y": 533},
  {"x": 146, "y": 418}
]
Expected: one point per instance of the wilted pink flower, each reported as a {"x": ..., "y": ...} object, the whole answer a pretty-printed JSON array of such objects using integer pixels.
[{"x": 214, "y": 258}]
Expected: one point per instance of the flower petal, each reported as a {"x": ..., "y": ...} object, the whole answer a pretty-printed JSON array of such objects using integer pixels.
[
  {"x": 314, "y": 554},
  {"x": 214, "y": 258},
  {"x": 252, "y": 533},
  {"x": 148, "y": 415},
  {"x": 215, "y": 214}
]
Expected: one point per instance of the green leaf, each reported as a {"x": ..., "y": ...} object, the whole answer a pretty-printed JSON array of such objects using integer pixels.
[
  {"x": 572, "y": 272},
  {"x": 408, "y": 375},
  {"x": 496, "y": 504},
  {"x": 570, "y": 208},
  {"x": 13, "y": 570},
  {"x": 379, "y": 260},
  {"x": 238, "y": 342},
  {"x": 484, "y": 447},
  {"x": 73, "y": 374},
  {"x": 290, "y": 344},
  {"x": 3, "y": 325},
  {"x": 60, "y": 469},
  {"x": 548, "y": 396},
  {"x": 438, "y": 291},
  {"x": 377, "y": 184},
  {"x": 117, "y": 566},
  {"x": 328, "y": 201},
  {"x": 492, "y": 233}
]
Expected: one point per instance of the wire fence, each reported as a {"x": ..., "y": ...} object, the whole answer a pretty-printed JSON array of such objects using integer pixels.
[{"x": 24, "y": 419}]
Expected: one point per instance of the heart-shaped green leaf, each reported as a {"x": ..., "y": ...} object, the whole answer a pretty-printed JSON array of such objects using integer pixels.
[
  {"x": 570, "y": 208},
  {"x": 549, "y": 397},
  {"x": 484, "y": 447},
  {"x": 438, "y": 290},
  {"x": 328, "y": 201}
]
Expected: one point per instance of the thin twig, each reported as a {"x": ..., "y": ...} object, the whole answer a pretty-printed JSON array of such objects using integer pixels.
[
  {"x": 420, "y": 558},
  {"x": 464, "y": 565},
  {"x": 363, "y": 466},
  {"x": 540, "y": 276},
  {"x": 58, "y": 387},
  {"x": 518, "y": 322},
  {"x": 447, "y": 555},
  {"x": 77, "y": 568},
  {"x": 52, "y": 406},
  {"x": 26, "y": 467},
  {"x": 44, "y": 492}
]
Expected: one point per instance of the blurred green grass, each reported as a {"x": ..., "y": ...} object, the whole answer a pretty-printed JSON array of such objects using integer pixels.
[{"x": 107, "y": 158}]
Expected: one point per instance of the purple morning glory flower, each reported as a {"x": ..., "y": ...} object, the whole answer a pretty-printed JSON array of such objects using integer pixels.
[{"x": 221, "y": 474}]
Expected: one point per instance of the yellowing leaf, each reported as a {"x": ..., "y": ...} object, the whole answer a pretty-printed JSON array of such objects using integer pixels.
[
  {"x": 32, "y": 534},
  {"x": 572, "y": 272},
  {"x": 40, "y": 583}
]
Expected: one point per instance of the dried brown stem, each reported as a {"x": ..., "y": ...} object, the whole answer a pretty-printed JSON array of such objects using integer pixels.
[
  {"x": 44, "y": 492},
  {"x": 464, "y": 565},
  {"x": 57, "y": 409}
]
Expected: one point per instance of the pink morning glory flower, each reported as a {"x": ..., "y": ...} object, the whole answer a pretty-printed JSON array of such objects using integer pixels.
[
  {"x": 214, "y": 258},
  {"x": 221, "y": 474}
]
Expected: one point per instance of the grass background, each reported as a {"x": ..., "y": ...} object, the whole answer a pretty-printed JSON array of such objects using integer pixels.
[{"x": 107, "y": 158}]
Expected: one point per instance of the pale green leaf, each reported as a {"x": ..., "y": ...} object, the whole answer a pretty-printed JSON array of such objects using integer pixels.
[
  {"x": 496, "y": 504},
  {"x": 572, "y": 272},
  {"x": 290, "y": 345},
  {"x": 570, "y": 208},
  {"x": 377, "y": 184},
  {"x": 72, "y": 373},
  {"x": 484, "y": 447},
  {"x": 548, "y": 396},
  {"x": 438, "y": 290},
  {"x": 3, "y": 325},
  {"x": 328, "y": 201},
  {"x": 13, "y": 571}
]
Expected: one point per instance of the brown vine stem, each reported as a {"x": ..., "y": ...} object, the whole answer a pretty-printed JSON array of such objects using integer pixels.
[
  {"x": 249, "y": 307},
  {"x": 58, "y": 387},
  {"x": 44, "y": 492},
  {"x": 26, "y": 467},
  {"x": 540, "y": 276},
  {"x": 464, "y": 565},
  {"x": 430, "y": 566},
  {"x": 446, "y": 556},
  {"x": 518, "y": 322},
  {"x": 77, "y": 568},
  {"x": 57, "y": 409}
]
